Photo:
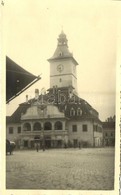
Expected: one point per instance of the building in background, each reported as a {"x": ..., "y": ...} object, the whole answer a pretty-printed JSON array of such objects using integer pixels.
[
  {"x": 57, "y": 117},
  {"x": 109, "y": 132}
]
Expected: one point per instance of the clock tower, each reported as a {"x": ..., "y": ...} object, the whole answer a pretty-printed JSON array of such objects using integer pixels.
[{"x": 63, "y": 66}]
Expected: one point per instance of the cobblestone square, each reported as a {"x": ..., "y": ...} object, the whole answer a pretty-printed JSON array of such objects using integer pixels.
[{"x": 62, "y": 169}]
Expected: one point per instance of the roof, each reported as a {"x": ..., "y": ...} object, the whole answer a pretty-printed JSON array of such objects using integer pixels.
[
  {"x": 110, "y": 124},
  {"x": 62, "y": 51},
  {"x": 17, "y": 79},
  {"x": 88, "y": 113},
  {"x": 16, "y": 116},
  {"x": 35, "y": 112}
]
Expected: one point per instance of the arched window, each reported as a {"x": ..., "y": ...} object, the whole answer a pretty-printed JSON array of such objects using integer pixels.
[
  {"x": 72, "y": 112},
  {"x": 58, "y": 125},
  {"x": 79, "y": 112},
  {"x": 47, "y": 126},
  {"x": 27, "y": 127},
  {"x": 37, "y": 126}
]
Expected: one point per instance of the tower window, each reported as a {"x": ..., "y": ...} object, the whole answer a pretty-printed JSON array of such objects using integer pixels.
[
  {"x": 60, "y": 80},
  {"x": 60, "y": 54}
]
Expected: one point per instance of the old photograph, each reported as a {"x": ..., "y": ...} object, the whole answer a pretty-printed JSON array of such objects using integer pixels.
[{"x": 60, "y": 95}]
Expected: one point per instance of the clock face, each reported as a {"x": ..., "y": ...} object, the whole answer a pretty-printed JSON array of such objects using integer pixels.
[{"x": 60, "y": 68}]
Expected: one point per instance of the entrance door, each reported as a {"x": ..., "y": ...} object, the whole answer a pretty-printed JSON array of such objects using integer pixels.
[
  {"x": 48, "y": 143},
  {"x": 32, "y": 144},
  {"x": 75, "y": 142},
  {"x": 26, "y": 143},
  {"x": 59, "y": 143}
]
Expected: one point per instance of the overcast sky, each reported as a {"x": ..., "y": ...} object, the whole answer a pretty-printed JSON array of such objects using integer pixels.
[{"x": 32, "y": 28}]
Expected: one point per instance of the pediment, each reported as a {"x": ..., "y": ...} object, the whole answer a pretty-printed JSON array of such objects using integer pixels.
[{"x": 42, "y": 111}]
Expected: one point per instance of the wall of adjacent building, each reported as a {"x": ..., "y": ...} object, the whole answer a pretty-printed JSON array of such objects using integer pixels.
[
  {"x": 80, "y": 135},
  {"x": 98, "y": 139},
  {"x": 109, "y": 136},
  {"x": 15, "y": 136}
]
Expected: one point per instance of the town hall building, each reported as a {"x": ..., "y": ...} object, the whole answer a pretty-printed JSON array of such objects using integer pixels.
[{"x": 58, "y": 117}]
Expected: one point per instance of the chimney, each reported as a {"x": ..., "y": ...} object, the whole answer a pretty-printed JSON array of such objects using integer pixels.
[
  {"x": 26, "y": 98},
  {"x": 36, "y": 94}
]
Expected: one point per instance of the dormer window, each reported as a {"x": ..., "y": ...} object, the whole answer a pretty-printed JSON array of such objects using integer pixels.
[
  {"x": 72, "y": 112},
  {"x": 79, "y": 112}
]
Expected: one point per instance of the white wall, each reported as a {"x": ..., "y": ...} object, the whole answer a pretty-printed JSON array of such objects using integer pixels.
[
  {"x": 80, "y": 135},
  {"x": 15, "y": 135},
  {"x": 67, "y": 79}
]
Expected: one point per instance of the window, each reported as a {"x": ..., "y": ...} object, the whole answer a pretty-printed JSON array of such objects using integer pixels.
[
  {"x": 111, "y": 134},
  {"x": 75, "y": 142},
  {"x": 79, "y": 112},
  {"x": 47, "y": 126},
  {"x": 99, "y": 129},
  {"x": 84, "y": 128},
  {"x": 74, "y": 128},
  {"x": 25, "y": 143},
  {"x": 60, "y": 80},
  {"x": 37, "y": 127},
  {"x": 58, "y": 125},
  {"x": 72, "y": 112},
  {"x": 106, "y": 134},
  {"x": 95, "y": 128},
  {"x": 27, "y": 127},
  {"x": 10, "y": 130},
  {"x": 19, "y": 129},
  {"x": 60, "y": 53}
]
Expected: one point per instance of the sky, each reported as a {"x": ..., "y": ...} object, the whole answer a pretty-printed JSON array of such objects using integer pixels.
[{"x": 31, "y": 31}]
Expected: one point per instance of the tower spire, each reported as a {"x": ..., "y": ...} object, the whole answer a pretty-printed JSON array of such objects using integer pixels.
[
  {"x": 62, "y": 40},
  {"x": 62, "y": 50}
]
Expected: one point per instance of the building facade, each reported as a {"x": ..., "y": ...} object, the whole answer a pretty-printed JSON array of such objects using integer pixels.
[
  {"x": 109, "y": 133},
  {"x": 58, "y": 117}
]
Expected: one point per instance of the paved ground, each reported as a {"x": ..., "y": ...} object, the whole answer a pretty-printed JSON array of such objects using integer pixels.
[{"x": 85, "y": 169}]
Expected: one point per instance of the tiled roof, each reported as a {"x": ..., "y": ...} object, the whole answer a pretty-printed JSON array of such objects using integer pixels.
[
  {"x": 16, "y": 116},
  {"x": 109, "y": 125},
  {"x": 62, "y": 51},
  {"x": 88, "y": 112}
]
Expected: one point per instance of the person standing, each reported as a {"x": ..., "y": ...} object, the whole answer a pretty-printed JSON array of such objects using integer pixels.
[{"x": 37, "y": 147}]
